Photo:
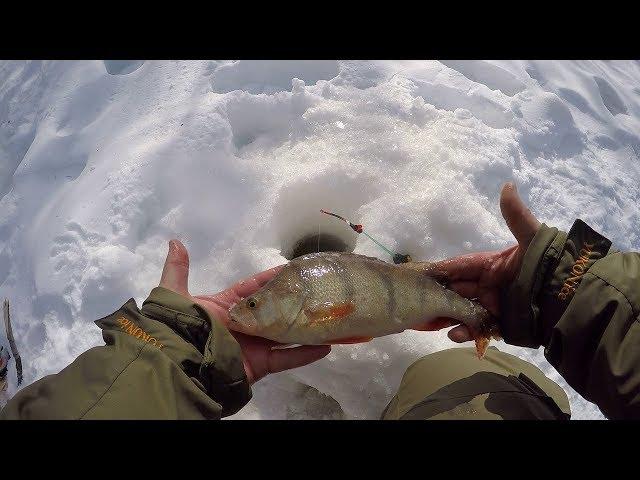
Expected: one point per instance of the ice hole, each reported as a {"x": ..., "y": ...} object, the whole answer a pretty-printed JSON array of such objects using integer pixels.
[
  {"x": 317, "y": 243},
  {"x": 298, "y": 224}
]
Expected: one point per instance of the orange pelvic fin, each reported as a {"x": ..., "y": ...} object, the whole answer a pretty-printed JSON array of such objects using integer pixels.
[
  {"x": 349, "y": 340},
  {"x": 330, "y": 313}
]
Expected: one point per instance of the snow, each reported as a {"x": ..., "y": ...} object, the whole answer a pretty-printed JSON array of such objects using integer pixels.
[{"x": 102, "y": 162}]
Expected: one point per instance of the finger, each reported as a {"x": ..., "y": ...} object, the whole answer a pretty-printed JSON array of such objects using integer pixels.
[
  {"x": 466, "y": 288},
  {"x": 463, "y": 267},
  {"x": 251, "y": 342},
  {"x": 175, "y": 274},
  {"x": 460, "y": 334},
  {"x": 216, "y": 309},
  {"x": 519, "y": 218},
  {"x": 209, "y": 298},
  {"x": 250, "y": 285},
  {"x": 243, "y": 288},
  {"x": 225, "y": 299},
  {"x": 285, "y": 359}
]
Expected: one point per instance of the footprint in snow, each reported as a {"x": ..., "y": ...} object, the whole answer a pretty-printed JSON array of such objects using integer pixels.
[
  {"x": 122, "y": 67},
  {"x": 610, "y": 97}
]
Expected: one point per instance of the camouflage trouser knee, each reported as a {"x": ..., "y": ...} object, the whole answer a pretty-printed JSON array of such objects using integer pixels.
[{"x": 454, "y": 384}]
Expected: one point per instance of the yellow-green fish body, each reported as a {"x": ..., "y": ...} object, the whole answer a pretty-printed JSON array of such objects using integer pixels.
[{"x": 331, "y": 297}]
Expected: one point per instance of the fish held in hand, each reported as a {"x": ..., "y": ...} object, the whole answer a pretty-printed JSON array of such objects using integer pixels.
[{"x": 330, "y": 297}]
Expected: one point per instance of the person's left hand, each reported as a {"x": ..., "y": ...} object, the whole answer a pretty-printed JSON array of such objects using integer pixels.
[{"x": 258, "y": 354}]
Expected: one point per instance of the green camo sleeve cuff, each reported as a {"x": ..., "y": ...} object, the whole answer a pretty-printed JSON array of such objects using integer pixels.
[
  {"x": 583, "y": 247},
  {"x": 520, "y": 311},
  {"x": 551, "y": 271},
  {"x": 221, "y": 370}
]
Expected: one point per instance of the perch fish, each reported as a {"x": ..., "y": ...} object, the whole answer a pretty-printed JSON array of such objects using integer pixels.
[{"x": 331, "y": 298}]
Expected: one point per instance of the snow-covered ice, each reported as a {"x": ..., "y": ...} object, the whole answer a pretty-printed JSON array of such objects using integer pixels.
[{"x": 102, "y": 162}]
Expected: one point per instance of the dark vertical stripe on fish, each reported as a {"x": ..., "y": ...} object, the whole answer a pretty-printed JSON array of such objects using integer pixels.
[
  {"x": 301, "y": 275},
  {"x": 427, "y": 284},
  {"x": 342, "y": 274},
  {"x": 422, "y": 286},
  {"x": 388, "y": 282},
  {"x": 345, "y": 270}
]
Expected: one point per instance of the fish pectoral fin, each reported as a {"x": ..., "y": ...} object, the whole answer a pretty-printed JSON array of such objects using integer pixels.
[
  {"x": 337, "y": 310},
  {"x": 349, "y": 340}
]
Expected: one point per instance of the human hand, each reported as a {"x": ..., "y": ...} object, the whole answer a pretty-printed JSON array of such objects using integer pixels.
[
  {"x": 258, "y": 354},
  {"x": 483, "y": 275}
]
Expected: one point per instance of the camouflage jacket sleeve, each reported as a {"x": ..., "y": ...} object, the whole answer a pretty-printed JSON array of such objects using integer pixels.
[
  {"x": 169, "y": 360},
  {"x": 581, "y": 302}
]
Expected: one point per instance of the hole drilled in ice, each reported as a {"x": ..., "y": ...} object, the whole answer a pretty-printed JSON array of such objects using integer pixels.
[
  {"x": 317, "y": 243},
  {"x": 297, "y": 220}
]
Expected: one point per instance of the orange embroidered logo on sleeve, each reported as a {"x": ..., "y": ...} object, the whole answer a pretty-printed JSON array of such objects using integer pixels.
[
  {"x": 132, "y": 329},
  {"x": 577, "y": 271}
]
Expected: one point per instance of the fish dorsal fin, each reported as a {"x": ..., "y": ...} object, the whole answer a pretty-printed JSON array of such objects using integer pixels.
[
  {"x": 428, "y": 268},
  {"x": 373, "y": 259},
  {"x": 333, "y": 255},
  {"x": 419, "y": 266}
]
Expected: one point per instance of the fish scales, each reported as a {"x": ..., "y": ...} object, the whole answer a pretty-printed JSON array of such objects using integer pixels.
[{"x": 331, "y": 297}]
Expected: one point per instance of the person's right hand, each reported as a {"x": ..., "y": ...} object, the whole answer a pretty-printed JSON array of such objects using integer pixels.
[{"x": 483, "y": 275}]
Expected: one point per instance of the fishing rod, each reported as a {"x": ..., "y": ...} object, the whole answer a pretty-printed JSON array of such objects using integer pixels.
[{"x": 356, "y": 227}]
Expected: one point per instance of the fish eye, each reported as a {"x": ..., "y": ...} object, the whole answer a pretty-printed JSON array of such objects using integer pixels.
[{"x": 252, "y": 303}]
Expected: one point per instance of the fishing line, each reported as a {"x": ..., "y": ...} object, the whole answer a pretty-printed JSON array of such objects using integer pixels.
[
  {"x": 356, "y": 227},
  {"x": 380, "y": 245}
]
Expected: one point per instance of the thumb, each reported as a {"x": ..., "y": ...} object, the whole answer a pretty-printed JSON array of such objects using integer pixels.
[
  {"x": 519, "y": 218},
  {"x": 175, "y": 274}
]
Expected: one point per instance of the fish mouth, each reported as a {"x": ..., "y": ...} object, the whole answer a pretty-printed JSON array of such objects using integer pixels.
[
  {"x": 239, "y": 319},
  {"x": 233, "y": 316},
  {"x": 232, "y": 311}
]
